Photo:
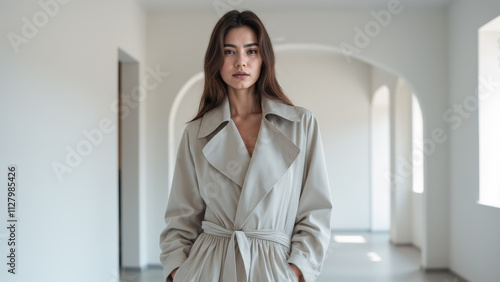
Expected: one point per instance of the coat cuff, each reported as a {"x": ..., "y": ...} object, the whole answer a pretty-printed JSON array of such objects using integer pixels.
[{"x": 300, "y": 260}]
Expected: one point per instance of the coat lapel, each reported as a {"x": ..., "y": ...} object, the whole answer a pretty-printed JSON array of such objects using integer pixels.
[
  {"x": 225, "y": 151},
  {"x": 273, "y": 154}
]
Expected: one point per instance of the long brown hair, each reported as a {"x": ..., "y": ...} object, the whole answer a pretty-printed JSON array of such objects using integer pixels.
[{"x": 215, "y": 89}]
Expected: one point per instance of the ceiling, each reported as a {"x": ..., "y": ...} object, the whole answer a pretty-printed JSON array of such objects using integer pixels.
[{"x": 282, "y": 5}]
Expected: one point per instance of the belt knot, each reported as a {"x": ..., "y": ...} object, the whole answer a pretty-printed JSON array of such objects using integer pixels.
[{"x": 240, "y": 236}]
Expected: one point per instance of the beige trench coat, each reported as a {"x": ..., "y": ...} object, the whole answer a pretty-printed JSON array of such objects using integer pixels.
[{"x": 231, "y": 217}]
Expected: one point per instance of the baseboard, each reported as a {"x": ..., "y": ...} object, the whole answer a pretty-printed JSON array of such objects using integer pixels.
[
  {"x": 435, "y": 270},
  {"x": 409, "y": 244},
  {"x": 146, "y": 267},
  {"x": 350, "y": 231},
  {"x": 456, "y": 277},
  {"x": 134, "y": 269}
]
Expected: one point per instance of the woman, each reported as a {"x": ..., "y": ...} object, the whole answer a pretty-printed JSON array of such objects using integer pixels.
[{"x": 250, "y": 199}]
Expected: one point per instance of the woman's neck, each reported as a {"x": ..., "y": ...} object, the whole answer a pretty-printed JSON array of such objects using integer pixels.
[{"x": 243, "y": 102}]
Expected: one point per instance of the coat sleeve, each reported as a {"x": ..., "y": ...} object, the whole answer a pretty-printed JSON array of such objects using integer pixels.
[
  {"x": 311, "y": 234},
  {"x": 184, "y": 212}
]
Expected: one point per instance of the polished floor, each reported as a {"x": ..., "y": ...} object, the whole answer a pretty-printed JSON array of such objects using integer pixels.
[{"x": 353, "y": 257}]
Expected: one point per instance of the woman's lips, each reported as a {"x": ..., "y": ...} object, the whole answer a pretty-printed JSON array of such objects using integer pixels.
[{"x": 241, "y": 75}]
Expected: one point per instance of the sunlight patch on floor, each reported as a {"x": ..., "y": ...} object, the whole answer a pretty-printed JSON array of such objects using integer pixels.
[
  {"x": 374, "y": 256},
  {"x": 353, "y": 239}
]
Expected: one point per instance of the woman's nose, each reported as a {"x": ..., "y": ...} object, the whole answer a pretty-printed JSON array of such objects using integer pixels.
[{"x": 241, "y": 61}]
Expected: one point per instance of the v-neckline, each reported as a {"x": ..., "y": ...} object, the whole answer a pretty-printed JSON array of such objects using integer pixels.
[{"x": 256, "y": 141}]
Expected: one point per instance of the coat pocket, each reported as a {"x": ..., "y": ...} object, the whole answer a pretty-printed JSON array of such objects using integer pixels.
[
  {"x": 185, "y": 272},
  {"x": 178, "y": 274}
]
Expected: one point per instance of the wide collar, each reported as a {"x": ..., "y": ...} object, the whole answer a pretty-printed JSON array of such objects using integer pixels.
[
  {"x": 273, "y": 154},
  {"x": 222, "y": 113}
]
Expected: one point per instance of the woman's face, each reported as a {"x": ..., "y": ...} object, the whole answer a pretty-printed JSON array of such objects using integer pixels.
[{"x": 242, "y": 60}]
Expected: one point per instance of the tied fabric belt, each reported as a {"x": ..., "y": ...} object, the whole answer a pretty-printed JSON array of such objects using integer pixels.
[{"x": 243, "y": 245}]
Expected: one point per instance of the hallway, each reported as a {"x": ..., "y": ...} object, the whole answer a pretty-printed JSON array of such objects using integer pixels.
[
  {"x": 374, "y": 260},
  {"x": 96, "y": 96}
]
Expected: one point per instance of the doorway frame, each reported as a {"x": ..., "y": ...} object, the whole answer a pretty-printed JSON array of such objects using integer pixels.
[{"x": 131, "y": 207}]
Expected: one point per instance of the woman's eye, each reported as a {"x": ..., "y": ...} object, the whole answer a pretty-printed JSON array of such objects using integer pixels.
[
  {"x": 252, "y": 51},
  {"x": 228, "y": 52}
]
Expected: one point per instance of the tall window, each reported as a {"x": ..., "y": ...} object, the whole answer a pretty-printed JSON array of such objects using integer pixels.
[
  {"x": 417, "y": 144},
  {"x": 380, "y": 160},
  {"x": 489, "y": 113}
]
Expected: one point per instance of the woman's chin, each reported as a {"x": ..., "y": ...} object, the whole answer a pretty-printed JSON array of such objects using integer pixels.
[{"x": 241, "y": 86}]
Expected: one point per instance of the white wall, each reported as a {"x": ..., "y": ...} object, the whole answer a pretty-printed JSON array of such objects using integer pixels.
[
  {"x": 474, "y": 232},
  {"x": 338, "y": 94},
  {"x": 177, "y": 46},
  {"x": 401, "y": 168},
  {"x": 61, "y": 82},
  {"x": 413, "y": 45},
  {"x": 413, "y": 222},
  {"x": 381, "y": 206},
  {"x": 417, "y": 203}
]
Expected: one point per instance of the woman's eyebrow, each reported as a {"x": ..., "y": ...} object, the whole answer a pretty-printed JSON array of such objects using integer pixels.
[{"x": 245, "y": 46}]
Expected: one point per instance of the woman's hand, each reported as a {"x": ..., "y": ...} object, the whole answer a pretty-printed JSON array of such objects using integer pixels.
[
  {"x": 297, "y": 271},
  {"x": 173, "y": 273}
]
